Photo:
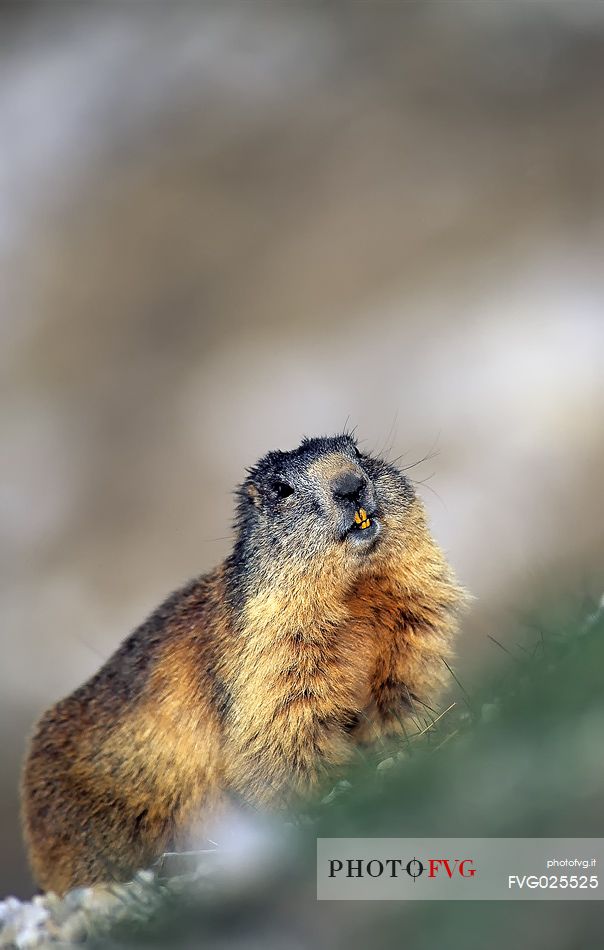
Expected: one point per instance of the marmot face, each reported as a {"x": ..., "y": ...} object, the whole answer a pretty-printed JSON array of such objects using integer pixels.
[{"x": 323, "y": 505}]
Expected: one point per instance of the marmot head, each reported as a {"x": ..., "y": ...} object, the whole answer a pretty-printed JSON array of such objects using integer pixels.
[{"x": 324, "y": 510}]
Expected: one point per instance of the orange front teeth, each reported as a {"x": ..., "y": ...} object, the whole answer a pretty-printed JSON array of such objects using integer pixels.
[{"x": 361, "y": 518}]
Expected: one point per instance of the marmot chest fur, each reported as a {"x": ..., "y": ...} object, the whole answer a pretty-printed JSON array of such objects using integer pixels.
[{"x": 330, "y": 618}]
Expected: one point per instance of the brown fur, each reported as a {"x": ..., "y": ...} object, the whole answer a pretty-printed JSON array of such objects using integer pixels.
[{"x": 253, "y": 696}]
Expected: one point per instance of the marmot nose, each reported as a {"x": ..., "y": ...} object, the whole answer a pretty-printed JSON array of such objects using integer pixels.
[{"x": 348, "y": 486}]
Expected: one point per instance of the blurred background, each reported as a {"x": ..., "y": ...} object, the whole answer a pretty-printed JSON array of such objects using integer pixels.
[{"x": 224, "y": 226}]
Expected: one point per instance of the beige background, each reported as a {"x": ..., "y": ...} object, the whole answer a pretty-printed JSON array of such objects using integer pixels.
[{"x": 226, "y": 226}]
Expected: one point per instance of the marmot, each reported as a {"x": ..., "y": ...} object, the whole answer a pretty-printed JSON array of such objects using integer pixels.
[{"x": 328, "y": 620}]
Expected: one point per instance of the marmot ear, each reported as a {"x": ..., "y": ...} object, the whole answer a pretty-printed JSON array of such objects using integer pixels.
[{"x": 252, "y": 493}]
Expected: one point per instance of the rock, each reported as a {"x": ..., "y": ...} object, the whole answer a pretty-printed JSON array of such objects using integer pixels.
[
  {"x": 8, "y": 907},
  {"x": 77, "y": 898},
  {"x": 75, "y": 928},
  {"x": 22, "y": 925},
  {"x": 86, "y": 911}
]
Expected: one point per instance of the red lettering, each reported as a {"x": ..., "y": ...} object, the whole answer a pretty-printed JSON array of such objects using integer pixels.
[
  {"x": 471, "y": 870},
  {"x": 464, "y": 868}
]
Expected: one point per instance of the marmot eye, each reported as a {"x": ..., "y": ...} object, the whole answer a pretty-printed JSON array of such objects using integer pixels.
[{"x": 282, "y": 489}]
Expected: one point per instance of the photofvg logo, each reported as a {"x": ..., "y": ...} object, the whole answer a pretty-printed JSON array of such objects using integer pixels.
[
  {"x": 459, "y": 868},
  {"x": 395, "y": 867}
]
